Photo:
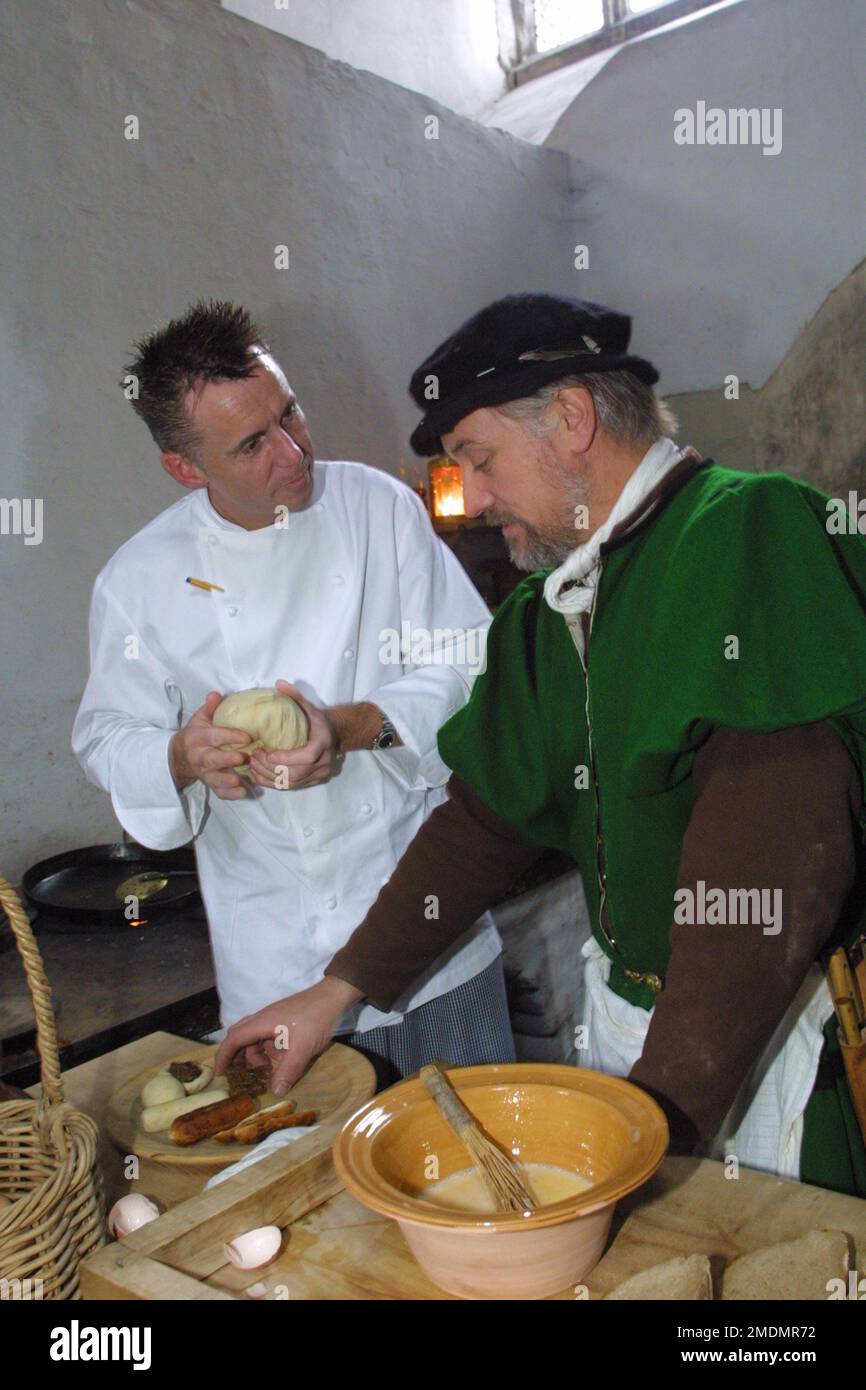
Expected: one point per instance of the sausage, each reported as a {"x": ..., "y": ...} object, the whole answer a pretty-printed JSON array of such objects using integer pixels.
[
  {"x": 254, "y": 1129},
  {"x": 156, "y": 1117},
  {"x": 225, "y": 1136},
  {"x": 203, "y": 1124},
  {"x": 283, "y": 1107}
]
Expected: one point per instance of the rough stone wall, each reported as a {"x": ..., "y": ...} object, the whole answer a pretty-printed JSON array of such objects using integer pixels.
[{"x": 809, "y": 420}]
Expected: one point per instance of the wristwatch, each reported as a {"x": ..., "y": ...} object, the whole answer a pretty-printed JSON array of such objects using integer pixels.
[{"x": 387, "y": 735}]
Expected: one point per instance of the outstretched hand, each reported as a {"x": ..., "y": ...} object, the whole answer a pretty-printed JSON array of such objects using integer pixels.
[{"x": 289, "y": 1033}]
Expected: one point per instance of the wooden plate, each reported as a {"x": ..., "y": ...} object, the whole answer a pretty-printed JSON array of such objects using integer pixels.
[{"x": 340, "y": 1080}]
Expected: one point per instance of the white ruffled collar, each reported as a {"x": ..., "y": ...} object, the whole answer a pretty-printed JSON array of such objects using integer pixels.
[{"x": 570, "y": 588}]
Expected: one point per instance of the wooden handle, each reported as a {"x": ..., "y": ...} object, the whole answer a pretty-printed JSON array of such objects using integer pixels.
[
  {"x": 855, "y": 1071},
  {"x": 858, "y": 969},
  {"x": 844, "y": 996},
  {"x": 446, "y": 1098}
]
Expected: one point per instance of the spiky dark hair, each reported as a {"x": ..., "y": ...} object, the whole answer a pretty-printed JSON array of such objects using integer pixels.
[{"x": 213, "y": 341}]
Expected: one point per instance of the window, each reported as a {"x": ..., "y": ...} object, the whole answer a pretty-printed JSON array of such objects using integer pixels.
[
  {"x": 558, "y": 22},
  {"x": 547, "y": 34}
]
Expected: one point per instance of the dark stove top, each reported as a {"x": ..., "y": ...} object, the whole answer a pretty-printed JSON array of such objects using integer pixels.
[{"x": 110, "y": 986}]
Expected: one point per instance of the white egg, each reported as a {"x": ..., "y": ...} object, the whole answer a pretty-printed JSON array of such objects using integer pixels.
[
  {"x": 256, "y": 1291},
  {"x": 130, "y": 1214},
  {"x": 254, "y": 1248}
]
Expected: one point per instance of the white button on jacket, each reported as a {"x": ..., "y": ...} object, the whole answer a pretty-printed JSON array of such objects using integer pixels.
[{"x": 280, "y": 899}]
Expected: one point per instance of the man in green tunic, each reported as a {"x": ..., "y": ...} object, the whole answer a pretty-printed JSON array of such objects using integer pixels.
[{"x": 677, "y": 700}]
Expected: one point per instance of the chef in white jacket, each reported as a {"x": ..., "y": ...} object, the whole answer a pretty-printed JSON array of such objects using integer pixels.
[{"x": 322, "y": 571}]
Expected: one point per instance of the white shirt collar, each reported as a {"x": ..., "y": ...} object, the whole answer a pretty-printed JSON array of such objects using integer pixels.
[{"x": 581, "y": 568}]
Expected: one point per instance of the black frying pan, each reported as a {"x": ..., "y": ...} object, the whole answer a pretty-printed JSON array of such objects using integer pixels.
[{"x": 80, "y": 884}]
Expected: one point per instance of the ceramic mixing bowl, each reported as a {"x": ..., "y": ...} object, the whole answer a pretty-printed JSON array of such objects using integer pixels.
[{"x": 602, "y": 1128}]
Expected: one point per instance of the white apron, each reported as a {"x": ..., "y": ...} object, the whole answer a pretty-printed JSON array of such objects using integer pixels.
[{"x": 764, "y": 1128}]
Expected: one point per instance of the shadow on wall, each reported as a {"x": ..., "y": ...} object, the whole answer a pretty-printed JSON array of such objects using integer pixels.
[
  {"x": 809, "y": 419},
  {"x": 338, "y": 381},
  {"x": 365, "y": 410}
]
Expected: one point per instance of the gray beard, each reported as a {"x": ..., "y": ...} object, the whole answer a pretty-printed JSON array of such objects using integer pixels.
[
  {"x": 546, "y": 547},
  {"x": 539, "y": 552}
]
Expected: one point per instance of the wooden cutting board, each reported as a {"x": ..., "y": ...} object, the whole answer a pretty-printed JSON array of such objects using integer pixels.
[
  {"x": 691, "y": 1207},
  {"x": 341, "y": 1250},
  {"x": 340, "y": 1080}
]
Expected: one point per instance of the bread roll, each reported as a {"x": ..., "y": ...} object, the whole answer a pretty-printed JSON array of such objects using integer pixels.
[
  {"x": 271, "y": 720},
  {"x": 796, "y": 1269},
  {"x": 686, "y": 1277},
  {"x": 161, "y": 1089}
]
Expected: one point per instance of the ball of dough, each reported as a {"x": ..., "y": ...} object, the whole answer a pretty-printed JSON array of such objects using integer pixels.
[
  {"x": 272, "y": 721},
  {"x": 160, "y": 1089}
]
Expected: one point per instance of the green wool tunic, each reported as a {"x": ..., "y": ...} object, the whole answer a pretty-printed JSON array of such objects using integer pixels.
[{"x": 733, "y": 607}]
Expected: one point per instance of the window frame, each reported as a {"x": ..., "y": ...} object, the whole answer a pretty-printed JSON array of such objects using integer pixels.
[{"x": 523, "y": 63}]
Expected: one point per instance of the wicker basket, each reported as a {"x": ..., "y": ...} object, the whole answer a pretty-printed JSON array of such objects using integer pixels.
[{"x": 51, "y": 1201}]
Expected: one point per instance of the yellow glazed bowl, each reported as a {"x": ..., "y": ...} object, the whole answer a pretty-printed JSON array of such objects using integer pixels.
[{"x": 601, "y": 1127}]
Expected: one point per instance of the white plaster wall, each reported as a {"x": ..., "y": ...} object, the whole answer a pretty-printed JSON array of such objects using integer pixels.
[
  {"x": 447, "y": 49},
  {"x": 247, "y": 140},
  {"x": 721, "y": 254},
  {"x": 532, "y": 110}
]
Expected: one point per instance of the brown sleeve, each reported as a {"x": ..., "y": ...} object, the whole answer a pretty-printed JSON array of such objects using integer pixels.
[
  {"x": 772, "y": 810},
  {"x": 464, "y": 856}
]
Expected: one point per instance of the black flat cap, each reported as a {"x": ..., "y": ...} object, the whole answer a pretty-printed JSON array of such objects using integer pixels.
[{"x": 511, "y": 349}]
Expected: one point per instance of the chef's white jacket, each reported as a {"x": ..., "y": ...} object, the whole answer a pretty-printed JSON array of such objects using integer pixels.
[{"x": 286, "y": 876}]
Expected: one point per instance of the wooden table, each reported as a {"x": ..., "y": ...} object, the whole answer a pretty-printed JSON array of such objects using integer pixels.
[
  {"x": 335, "y": 1248},
  {"x": 89, "y": 1087}
]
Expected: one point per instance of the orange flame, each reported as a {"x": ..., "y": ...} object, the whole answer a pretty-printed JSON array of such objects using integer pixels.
[{"x": 446, "y": 488}]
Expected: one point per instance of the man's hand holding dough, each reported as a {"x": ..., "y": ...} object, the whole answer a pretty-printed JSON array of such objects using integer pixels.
[
  {"x": 196, "y": 753},
  {"x": 333, "y": 731},
  {"x": 290, "y": 769}
]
